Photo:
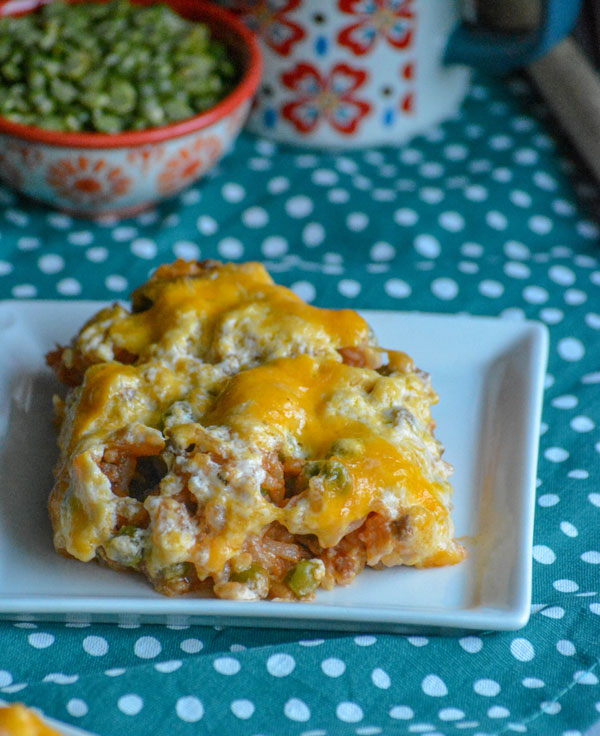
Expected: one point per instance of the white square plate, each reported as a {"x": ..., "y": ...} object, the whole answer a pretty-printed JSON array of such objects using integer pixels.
[{"x": 489, "y": 374}]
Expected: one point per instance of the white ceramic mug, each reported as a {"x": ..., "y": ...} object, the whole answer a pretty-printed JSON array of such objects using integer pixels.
[{"x": 355, "y": 73}]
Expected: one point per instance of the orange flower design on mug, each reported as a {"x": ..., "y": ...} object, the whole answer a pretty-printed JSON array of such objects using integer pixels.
[
  {"x": 87, "y": 181},
  {"x": 189, "y": 163}
]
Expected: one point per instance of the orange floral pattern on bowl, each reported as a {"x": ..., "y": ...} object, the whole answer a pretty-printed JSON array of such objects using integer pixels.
[
  {"x": 188, "y": 164},
  {"x": 87, "y": 181}
]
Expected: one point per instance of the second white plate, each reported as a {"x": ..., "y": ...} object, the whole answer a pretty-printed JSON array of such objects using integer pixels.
[{"x": 489, "y": 374}]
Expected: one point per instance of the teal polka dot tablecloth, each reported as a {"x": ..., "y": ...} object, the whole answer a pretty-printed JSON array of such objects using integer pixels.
[{"x": 487, "y": 214}]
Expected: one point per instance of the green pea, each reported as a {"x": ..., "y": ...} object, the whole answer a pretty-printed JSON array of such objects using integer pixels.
[
  {"x": 304, "y": 578},
  {"x": 253, "y": 574}
]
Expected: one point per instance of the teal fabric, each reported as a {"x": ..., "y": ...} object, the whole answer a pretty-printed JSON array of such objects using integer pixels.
[{"x": 487, "y": 214}]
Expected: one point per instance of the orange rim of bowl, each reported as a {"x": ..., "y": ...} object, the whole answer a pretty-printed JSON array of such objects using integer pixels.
[{"x": 216, "y": 18}]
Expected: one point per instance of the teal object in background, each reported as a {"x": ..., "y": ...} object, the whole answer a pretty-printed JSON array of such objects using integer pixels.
[
  {"x": 487, "y": 214},
  {"x": 500, "y": 53}
]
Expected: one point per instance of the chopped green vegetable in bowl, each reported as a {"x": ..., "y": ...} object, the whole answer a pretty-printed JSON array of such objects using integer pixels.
[{"x": 109, "y": 67}]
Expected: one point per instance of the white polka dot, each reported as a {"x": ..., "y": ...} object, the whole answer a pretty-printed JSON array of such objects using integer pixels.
[
  {"x": 431, "y": 195},
  {"x": 207, "y": 225},
  {"x": 471, "y": 250},
  {"x": 305, "y": 290},
  {"x": 296, "y": 710},
  {"x": 230, "y": 248},
  {"x": 144, "y": 248},
  {"x": 115, "y": 672},
  {"x": 588, "y": 229},
  {"x": 571, "y": 349},
  {"x": 565, "y": 647},
  {"x": 548, "y": 499},
  {"x": 97, "y": 254},
  {"x": 431, "y": 170},
  {"x": 578, "y": 473},
  {"x": 520, "y": 198},
  {"x": 444, "y": 288},
  {"x": 551, "y": 315},
  {"x": 333, "y": 667},
  {"x": 585, "y": 261},
  {"x": 556, "y": 454},
  {"x": 427, "y": 246},
  {"x": 434, "y": 686},
  {"x": 582, "y": 424},
  {"x": 522, "y": 649},
  {"x": 575, "y": 297},
  {"x": 401, "y": 713},
  {"x": 83, "y": 237},
  {"x": 77, "y": 707},
  {"x": 242, "y": 709},
  {"x": 68, "y": 287},
  {"x": 40, "y": 640},
  {"x": 233, "y": 192},
  {"x": 496, "y": 220},
  {"x": 585, "y": 678},
  {"x": 349, "y": 712},
  {"x": 380, "y": 194},
  {"x": 311, "y": 642},
  {"x": 123, "y": 233},
  {"x": 338, "y": 196},
  {"x": 592, "y": 557},
  {"x": 566, "y": 401},
  {"x": 526, "y": 156},
  {"x": 365, "y": 640},
  {"x": 280, "y": 665},
  {"x": 299, "y": 206},
  {"x": 533, "y": 682},
  {"x": 417, "y": 641},
  {"x": 189, "y": 197},
  {"x": 456, "y": 152},
  {"x": 28, "y": 243},
  {"x": 255, "y": 217},
  {"x": 380, "y": 678},
  {"x": 237, "y": 648},
  {"x": 550, "y": 708},
  {"x": 553, "y": 612},
  {"x": 517, "y": 270},
  {"x": 451, "y": 714},
  {"x": 5, "y": 678},
  {"x": 476, "y": 193},
  {"x": 468, "y": 267},
  {"x": 516, "y": 250},
  {"x": 488, "y": 688},
  {"x": 535, "y": 294},
  {"x": 471, "y": 644},
  {"x": 565, "y": 585},
  {"x": 189, "y": 709},
  {"x": 147, "y": 647},
  {"x": 115, "y": 282},
  {"x": 543, "y": 554},
  {"x": 349, "y": 288},
  {"x": 562, "y": 275},
  {"x": 130, "y": 704},
  {"x": 595, "y": 608},
  {"x": 357, "y": 221},
  {"x": 594, "y": 498},
  {"x": 593, "y": 320},
  {"x": 563, "y": 207},
  {"x": 171, "y": 665},
  {"x": 191, "y": 646},
  {"x": 540, "y": 224},
  {"x": 325, "y": 177},
  {"x": 313, "y": 234},
  {"x": 49, "y": 263},
  {"x": 405, "y": 216},
  {"x": 568, "y": 529},
  {"x": 227, "y": 666},
  {"x": 397, "y": 288},
  {"x": 452, "y": 221},
  {"x": 498, "y": 711},
  {"x": 491, "y": 289},
  {"x": 383, "y": 252},
  {"x": 187, "y": 250}
]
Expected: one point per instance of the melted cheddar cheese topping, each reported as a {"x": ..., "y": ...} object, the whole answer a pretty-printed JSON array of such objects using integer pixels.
[
  {"x": 223, "y": 406},
  {"x": 17, "y": 720}
]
